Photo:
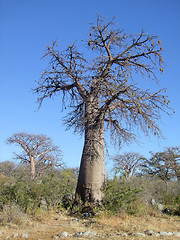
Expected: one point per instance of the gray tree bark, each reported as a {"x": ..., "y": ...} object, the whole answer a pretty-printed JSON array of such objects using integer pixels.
[{"x": 92, "y": 168}]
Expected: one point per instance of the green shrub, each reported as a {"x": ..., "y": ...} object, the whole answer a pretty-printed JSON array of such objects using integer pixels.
[
  {"x": 173, "y": 202},
  {"x": 6, "y": 192},
  {"x": 177, "y": 206},
  {"x": 119, "y": 196},
  {"x": 28, "y": 194},
  {"x": 17, "y": 192}
]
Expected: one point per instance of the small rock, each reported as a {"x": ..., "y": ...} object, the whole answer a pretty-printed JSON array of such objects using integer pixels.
[
  {"x": 0, "y": 232},
  {"x": 156, "y": 234},
  {"x": 94, "y": 233},
  {"x": 82, "y": 234},
  {"x": 153, "y": 202},
  {"x": 131, "y": 234},
  {"x": 160, "y": 207},
  {"x": 64, "y": 234},
  {"x": 57, "y": 236},
  {"x": 25, "y": 235},
  {"x": 124, "y": 234},
  {"x": 75, "y": 220},
  {"x": 149, "y": 232},
  {"x": 78, "y": 234},
  {"x": 16, "y": 235},
  {"x": 86, "y": 233},
  {"x": 177, "y": 234},
  {"x": 86, "y": 215},
  {"x": 162, "y": 233},
  {"x": 140, "y": 234}
]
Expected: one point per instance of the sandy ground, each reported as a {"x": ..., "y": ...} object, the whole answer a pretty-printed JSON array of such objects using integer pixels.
[{"x": 106, "y": 227}]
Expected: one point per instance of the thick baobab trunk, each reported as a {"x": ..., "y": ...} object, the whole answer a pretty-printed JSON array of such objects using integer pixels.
[{"x": 92, "y": 169}]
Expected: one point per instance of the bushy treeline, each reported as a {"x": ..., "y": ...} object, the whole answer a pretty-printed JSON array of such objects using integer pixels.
[
  {"x": 47, "y": 192},
  {"x": 135, "y": 195},
  {"x": 17, "y": 186}
]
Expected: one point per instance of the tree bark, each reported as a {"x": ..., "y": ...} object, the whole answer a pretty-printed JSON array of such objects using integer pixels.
[
  {"x": 92, "y": 168},
  {"x": 33, "y": 170},
  {"x": 178, "y": 175}
]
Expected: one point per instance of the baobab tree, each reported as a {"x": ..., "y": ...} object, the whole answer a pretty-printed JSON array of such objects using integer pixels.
[
  {"x": 38, "y": 151},
  {"x": 165, "y": 164},
  {"x": 101, "y": 91},
  {"x": 128, "y": 163}
]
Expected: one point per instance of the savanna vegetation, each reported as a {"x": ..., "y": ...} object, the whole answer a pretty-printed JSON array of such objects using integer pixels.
[
  {"x": 55, "y": 189},
  {"x": 44, "y": 205}
]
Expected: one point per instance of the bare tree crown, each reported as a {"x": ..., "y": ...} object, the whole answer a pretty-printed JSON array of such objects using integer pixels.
[
  {"x": 37, "y": 148},
  {"x": 128, "y": 162},
  {"x": 165, "y": 164},
  {"x": 106, "y": 81}
]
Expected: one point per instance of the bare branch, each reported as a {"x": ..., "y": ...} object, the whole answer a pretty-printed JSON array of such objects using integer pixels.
[{"x": 103, "y": 86}]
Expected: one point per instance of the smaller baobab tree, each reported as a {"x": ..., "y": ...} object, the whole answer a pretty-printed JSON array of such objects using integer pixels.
[
  {"x": 165, "y": 164},
  {"x": 128, "y": 163},
  {"x": 38, "y": 151}
]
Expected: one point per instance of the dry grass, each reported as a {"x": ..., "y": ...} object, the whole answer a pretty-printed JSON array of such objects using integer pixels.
[
  {"x": 107, "y": 227},
  {"x": 13, "y": 214},
  {"x": 130, "y": 224}
]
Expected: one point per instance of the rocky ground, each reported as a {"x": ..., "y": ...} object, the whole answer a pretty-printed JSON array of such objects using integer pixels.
[{"x": 62, "y": 226}]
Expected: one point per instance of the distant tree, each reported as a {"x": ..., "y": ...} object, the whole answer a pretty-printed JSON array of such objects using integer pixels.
[
  {"x": 174, "y": 155},
  {"x": 7, "y": 168},
  {"x": 101, "y": 91},
  {"x": 128, "y": 163},
  {"x": 38, "y": 151},
  {"x": 165, "y": 165}
]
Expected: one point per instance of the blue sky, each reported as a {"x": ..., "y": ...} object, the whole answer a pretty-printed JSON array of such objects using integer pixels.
[{"x": 28, "y": 26}]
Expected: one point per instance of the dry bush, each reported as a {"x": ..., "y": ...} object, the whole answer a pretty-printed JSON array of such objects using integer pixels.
[
  {"x": 12, "y": 213},
  {"x": 153, "y": 187}
]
